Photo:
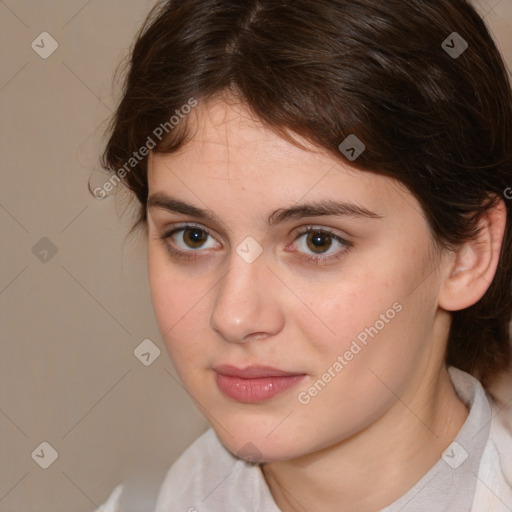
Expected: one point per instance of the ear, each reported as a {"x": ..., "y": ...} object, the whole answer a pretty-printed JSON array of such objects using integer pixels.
[{"x": 472, "y": 267}]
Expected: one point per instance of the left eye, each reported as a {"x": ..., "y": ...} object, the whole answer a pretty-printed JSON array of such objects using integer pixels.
[{"x": 319, "y": 241}]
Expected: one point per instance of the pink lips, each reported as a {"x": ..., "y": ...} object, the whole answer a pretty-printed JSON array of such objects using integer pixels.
[{"x": 255, "y": 383}]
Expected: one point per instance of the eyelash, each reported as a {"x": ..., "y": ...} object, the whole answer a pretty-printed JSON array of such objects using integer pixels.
[{"x": 318, "y": 260}]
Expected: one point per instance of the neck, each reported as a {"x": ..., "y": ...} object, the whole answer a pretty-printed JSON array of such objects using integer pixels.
[{"x": 387, "y": 458}]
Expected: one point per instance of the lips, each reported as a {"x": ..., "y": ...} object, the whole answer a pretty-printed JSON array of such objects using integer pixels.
[
  {"x": 253, "y": 372},
  {"x": 254, "y": 384}
]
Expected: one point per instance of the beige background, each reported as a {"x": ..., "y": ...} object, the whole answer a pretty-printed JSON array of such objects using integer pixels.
[{"x": 70, "y": 324}]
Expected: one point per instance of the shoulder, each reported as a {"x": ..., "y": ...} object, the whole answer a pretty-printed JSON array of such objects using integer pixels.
[
  {"x": 494, "y": 484},
  {"x": 186, "y": 477},
  {"x": 112, "y": 503},
  {"x": 208, "y": 477},
  {"x": 202, "y": 459},
  {"x": 501, "y": 437}
]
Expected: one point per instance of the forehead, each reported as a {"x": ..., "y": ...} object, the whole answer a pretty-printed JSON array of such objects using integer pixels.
[
  {"x": 233, "y": 154},
  {"x": 227, "y": 134}
]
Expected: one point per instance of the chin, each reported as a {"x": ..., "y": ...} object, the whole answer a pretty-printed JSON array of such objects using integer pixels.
[{"x": 255, "y": 446}]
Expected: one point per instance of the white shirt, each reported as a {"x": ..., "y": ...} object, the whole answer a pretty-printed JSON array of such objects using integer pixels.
[{"x": 474, "y": 474}]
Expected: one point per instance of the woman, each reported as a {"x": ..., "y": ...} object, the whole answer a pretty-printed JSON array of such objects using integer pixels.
[{"x": 322, "y": 186}]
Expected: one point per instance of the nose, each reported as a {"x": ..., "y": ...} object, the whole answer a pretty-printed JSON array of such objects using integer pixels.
[{"x": 246, "y": 304}]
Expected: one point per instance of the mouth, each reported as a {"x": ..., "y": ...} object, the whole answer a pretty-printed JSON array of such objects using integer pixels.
[{"x": 254, "y": 384}]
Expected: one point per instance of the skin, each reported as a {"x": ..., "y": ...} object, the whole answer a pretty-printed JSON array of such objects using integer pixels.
[{"x": 383, "y": 421}]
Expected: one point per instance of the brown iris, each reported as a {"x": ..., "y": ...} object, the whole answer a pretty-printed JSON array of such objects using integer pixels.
[
  {"x": 194, "y": 237},
  {"x": 316, "y": 239}
]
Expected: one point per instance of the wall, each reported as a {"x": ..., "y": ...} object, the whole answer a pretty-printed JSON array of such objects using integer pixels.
[{"x": 74, "y": 298}]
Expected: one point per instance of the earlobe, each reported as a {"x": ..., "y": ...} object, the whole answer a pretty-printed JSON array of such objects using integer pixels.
[{"x": 473, "y": 266}]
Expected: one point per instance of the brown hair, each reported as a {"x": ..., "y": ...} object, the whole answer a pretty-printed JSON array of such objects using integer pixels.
[{"x": 439, "y": 122}]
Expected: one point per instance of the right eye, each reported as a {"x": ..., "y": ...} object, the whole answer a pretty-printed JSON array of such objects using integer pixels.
[{"x": 191, "y": 239}]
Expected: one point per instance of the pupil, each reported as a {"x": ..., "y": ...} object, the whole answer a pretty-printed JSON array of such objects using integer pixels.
[
  {"x": 195, "y": 236},
  {"x": 318, "y": 239}
]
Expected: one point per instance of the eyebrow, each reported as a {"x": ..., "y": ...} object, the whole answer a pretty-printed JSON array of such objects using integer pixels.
[{"x": 322, "y": 208}]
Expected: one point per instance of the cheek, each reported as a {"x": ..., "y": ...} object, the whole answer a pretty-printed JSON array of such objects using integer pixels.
[
  {"x": 179, "y": 305},
  {"x": 357, "y": 373},
  {"x": 371, "y": 320},
  {"x": 339, "y": 309}
]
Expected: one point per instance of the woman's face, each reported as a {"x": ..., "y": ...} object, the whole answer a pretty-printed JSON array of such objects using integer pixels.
[{"x": 353, "y": 321}]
